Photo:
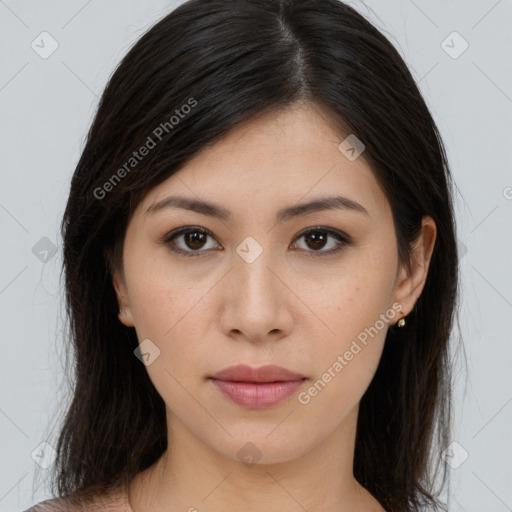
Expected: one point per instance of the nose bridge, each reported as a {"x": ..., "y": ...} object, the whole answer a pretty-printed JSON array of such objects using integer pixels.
[
  {"x": 256, "y": 300},
  {"x": 253, "y": 265}
]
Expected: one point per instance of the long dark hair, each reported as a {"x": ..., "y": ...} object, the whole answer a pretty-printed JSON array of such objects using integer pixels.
[{"x": 196, "y": 74}]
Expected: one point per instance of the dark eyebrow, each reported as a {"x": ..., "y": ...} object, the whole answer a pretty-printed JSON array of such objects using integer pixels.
[
  {"x": 217, "y": 211},
  {"x": 323, "y": 203}
]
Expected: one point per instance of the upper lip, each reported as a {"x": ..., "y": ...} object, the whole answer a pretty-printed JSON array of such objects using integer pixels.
[{"x": 245, "y": 373}]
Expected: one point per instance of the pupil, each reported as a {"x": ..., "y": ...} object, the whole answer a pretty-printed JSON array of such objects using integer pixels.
[
  {"x": 195, "y": 238},
  {"x": 318, "y": 240}
]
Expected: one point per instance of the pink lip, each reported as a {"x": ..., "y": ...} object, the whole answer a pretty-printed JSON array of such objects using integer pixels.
[
  {"x": 257, "y": 395},
  {"x": 257, "y": 388},
  {"x": 268, "y": 373}
]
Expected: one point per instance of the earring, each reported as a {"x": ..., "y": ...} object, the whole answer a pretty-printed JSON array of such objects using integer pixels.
[{"x": 401, "y": 322}]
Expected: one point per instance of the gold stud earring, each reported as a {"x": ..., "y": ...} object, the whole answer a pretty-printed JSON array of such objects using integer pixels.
[{"x": 401, "y": 322}]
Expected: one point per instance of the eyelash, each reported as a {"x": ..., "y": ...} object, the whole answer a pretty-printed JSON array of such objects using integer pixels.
[{"x": 343, "y": 239}]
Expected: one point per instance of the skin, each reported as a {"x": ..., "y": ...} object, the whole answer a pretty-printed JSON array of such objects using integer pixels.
[{"x": 286, "y": 307}]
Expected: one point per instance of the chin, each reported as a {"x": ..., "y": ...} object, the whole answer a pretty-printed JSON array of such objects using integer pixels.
[{"x": 257, "y": 446}]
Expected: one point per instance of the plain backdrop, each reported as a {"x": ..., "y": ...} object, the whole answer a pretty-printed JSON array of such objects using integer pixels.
[{"x": 460, "y": 52}]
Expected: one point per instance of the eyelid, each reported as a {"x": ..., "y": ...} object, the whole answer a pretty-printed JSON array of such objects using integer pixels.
[{"x": 342, "y": 238}]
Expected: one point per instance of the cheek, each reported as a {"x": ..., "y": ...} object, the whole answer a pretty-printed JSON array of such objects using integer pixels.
[
  {"x": 169, "y": 316},
  {"x": 352, "y": 298},
  {"x": 163, "y": 294},
  {"x": 172, "y": 310},
  {"x": 345, "y": 362},
  {"x": 356, "y": 309},
  {"x": 175, "y": 320}
]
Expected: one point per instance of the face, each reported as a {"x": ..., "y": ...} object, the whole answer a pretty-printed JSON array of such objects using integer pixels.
[{"x": 313, "y": 290}]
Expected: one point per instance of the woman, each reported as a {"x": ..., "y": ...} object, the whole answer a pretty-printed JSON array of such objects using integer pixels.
[{"x": 261, "y": 272}]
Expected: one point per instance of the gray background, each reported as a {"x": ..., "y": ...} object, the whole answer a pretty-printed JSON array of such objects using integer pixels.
[{"x": 46, "y": 107}]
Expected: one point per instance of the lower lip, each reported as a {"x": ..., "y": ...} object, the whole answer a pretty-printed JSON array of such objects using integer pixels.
[{"x": 258, "y": 395}]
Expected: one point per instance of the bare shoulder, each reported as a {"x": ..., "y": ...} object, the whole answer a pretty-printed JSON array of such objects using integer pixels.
[
  {"x": 54, "y": 505},
  {"x": 115, "y": 501}
]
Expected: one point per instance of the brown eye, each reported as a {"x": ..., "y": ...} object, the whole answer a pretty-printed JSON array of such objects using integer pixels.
[
  {"x": 316, "y": 239},
  {"x": 193, "y": 241},
  {"x": 189, "y": 241}
]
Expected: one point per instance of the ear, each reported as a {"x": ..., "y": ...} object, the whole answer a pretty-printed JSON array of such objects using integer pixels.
[
  {"x": 409, "y": 285},
  {"x": 125, "y": 313}
]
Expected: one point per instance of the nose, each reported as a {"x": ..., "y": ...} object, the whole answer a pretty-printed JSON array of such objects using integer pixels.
[{"x": 256, "y": 301}]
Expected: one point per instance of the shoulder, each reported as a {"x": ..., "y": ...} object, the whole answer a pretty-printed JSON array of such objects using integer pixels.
[
  {"x": 53, "y": 505},
  {"x": 114, "y": 501}
]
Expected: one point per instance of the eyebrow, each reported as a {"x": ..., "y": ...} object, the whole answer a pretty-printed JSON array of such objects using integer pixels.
[{"x": 217, "y": 211}]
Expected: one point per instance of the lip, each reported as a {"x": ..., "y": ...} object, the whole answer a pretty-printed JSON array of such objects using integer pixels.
[
  {"x": 267, "y": 373},
  {"x": 257, "y": 388}
]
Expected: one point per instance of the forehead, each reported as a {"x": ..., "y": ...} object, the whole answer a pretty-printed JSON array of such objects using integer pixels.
[{"x": 278, "y": 158}]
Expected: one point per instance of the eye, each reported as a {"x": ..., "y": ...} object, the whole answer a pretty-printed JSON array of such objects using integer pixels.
[
  {"x": 192, "y": 239},
  {"x": 317, "y": 238}
]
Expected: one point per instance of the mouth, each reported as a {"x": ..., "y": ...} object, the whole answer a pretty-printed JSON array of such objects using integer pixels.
[
  {"x": 257, "y": 395},
  {"x": 257, "y": 388}
]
